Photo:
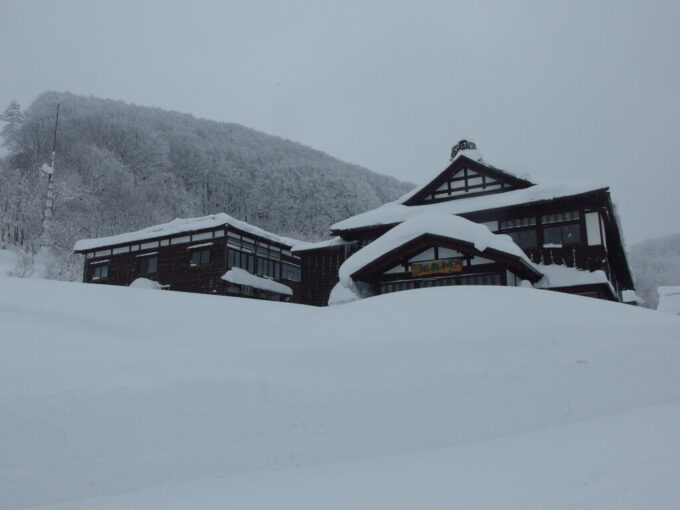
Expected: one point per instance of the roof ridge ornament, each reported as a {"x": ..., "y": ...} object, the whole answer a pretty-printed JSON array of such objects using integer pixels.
[{"x": 462, "y": 145}]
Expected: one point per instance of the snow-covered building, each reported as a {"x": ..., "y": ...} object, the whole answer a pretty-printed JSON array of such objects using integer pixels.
[
  {"x": 475, "y": 224},
  {"x": 215, "y": 254},
  {"x": 669, "y": 299}
]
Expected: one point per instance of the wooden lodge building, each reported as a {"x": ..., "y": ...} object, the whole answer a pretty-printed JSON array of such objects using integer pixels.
[
  {"x": 568, "y": 234},
  {"x": 215, "y": 254},
  {"x": 472, "y": 224}
]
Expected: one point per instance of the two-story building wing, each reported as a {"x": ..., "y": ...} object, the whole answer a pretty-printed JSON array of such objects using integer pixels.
[{"x": 215, "y": 254}]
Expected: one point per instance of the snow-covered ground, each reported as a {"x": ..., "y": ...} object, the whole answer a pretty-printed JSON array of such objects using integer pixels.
[
  {"x": 448, "y": 397},
  {"x": 9, "y": 260}
]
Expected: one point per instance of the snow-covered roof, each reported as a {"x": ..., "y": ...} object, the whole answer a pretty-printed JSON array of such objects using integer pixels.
[
  {"x": 438, "y": 224},
  {"x": 242, "y": 277},
  {"x": 669, "y": 299},
  {"x": 556, "y": 275},
  {"x": 335, "y": 241},
  {"x": 396, "y": 212},
  {"x": 181, "y": 225}
]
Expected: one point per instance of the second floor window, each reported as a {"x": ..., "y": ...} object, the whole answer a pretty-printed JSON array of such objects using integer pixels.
[
  {"x": 563, "y": 234},
  {"x": 148, "y": 265},
  {"x": 200, "y": 257},
  {"x": 524, "y": 238}
]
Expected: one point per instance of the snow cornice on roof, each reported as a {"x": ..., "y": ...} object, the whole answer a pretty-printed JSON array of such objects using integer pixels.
[{"x": 182, "y": 226}]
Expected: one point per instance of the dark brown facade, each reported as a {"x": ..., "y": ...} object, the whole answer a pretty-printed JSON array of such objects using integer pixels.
[
  {"x": 578, "y": 231},
  {"x": 195, "y": 261}
]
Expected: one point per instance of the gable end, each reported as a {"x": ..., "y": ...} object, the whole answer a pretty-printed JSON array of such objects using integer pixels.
[{"x": 466, "y": 178}]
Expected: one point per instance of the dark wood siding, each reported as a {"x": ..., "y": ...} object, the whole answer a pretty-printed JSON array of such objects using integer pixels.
[
  {"x": 320, "y": 272},
  {"x": 175, "y": 270}
]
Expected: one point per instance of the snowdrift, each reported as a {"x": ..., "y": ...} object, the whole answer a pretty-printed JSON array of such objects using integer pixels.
[{"x": 150, "y": 399}]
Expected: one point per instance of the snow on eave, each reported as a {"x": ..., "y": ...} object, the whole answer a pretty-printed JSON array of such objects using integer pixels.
[
  {"x": 396, "y": 212},
  {"x": 437, "y": 224},
  {"x": 335, "y": 241},
  {"x": 558, "y": 276},
  {"x": 181, "y": 226},
  {"x": 242, "y": 277}
]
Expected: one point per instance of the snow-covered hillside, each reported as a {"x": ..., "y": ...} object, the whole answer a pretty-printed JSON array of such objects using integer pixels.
[
  {"x": 122, "y": 167},
  {"x": 459, "y": 397}
]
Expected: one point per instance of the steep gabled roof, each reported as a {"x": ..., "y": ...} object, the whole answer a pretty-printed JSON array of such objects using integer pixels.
[{"x": 466, "y": 164}]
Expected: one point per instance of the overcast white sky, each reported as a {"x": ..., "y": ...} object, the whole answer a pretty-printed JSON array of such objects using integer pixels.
[{"x": 572, "y": 91}]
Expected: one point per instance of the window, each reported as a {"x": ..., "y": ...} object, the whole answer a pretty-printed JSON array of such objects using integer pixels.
[
  {"x": 564, "y": 234},
  {"x": 560, "y": 217},
  {"x": 517, "y": 223},
  {"x": 180, "y": 240},
  {"x": 100, "y": 272},
  {"x": 236, "y": 258},
  {"x": 148, "y": 265},
  {"x": 290, "y": 272},
  {"x": 524, "y": 238},
  {"x": 269, "y": 268},
  {"x": 200, "y": 257},
  {"x": 201, "y": 236}
]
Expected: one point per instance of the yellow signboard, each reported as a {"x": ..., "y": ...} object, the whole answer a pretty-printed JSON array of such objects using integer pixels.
[{"x": 446, "y": 266}]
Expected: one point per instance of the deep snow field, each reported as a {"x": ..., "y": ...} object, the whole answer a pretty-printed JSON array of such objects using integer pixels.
[{"x": 449, "y": 397}]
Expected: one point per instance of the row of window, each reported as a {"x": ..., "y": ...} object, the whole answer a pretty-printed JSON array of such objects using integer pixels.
[
  {"x": 568, "y": 232},
  {"x": 530, "y": 221},
  {"x": 559, "y": 234},
  {"x": 261, "y": 248},
  {"x": 478, "y": 279},
  {"x": 262, "y": 266},
  {"x": 148, "y": 265}
]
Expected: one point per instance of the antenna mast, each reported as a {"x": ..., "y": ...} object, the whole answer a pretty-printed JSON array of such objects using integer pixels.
[{"x": 48, "y": 209}]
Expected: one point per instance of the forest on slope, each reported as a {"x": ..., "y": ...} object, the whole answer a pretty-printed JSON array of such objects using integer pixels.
[
  {"x": 121, "y": 167},
  {"x": 655, "y": 262}
]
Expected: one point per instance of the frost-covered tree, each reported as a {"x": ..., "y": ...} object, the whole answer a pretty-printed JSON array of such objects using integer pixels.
[{"x": 121, "y": 167}]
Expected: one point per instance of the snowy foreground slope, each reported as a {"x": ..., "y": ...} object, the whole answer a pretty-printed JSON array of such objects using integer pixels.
[{"x": 450, "y": 397}]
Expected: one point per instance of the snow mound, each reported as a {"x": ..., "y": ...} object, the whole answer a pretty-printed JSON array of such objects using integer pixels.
[
  {"x": 557, "y": 275},
  {"x": 341, "y": 294},
  {"x": 193, "y": 400},
  {"x": 145, "y": 283},
  {"x": 669, "y": 299},
  {"x": 9, "y": 260}
]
